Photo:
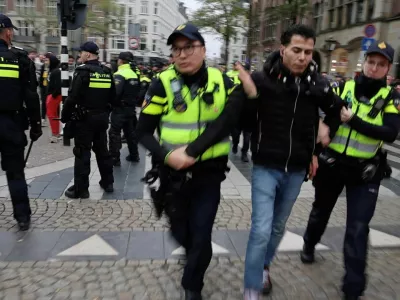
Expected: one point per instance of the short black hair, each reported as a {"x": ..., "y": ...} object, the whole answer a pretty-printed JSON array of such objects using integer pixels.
[{"x": 297, "y": 29}]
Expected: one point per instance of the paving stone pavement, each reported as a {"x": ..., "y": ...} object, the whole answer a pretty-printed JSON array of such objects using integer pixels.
[{"x": 160, "y": 279}]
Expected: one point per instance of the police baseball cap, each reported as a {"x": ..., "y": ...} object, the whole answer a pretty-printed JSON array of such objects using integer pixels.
[
  {"x": 5, "y": 22},
  {"x": 187, "y": 30},
  {"x": 128, "y": 56},
  {"x": 89, "y": 47},
  {"x": 381, "y": 48}
]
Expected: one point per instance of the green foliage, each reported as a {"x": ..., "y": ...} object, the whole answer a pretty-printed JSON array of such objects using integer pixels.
[
  {"x": 291, "y": 9},
  {"x": 223, "y": 17}
]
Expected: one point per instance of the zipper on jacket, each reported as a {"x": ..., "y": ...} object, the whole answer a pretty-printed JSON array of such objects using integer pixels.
[
  {"x": 297, "y": 80},
  {"x": 198, "y": 121}
]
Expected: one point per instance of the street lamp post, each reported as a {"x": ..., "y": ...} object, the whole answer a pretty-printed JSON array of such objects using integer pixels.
[{"x": 330, "y": 45}]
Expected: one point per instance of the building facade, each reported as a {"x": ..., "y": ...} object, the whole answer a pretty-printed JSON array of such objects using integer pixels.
[
  {"x": 237, "y": 46},
  {"x": 38, "y": 25},
  {"x": 155, "y": 20},
  {"x": 341, "y": 27}
]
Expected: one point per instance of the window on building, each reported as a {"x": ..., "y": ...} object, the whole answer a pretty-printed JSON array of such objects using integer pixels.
[
  {"x": 51, "y": 8},
  {"x": 340, "y": 17},
  {"x": 318, "y": 15},
  {"x": 349, "y": 16},
  {"x": 360, "y": 11},
  {"x": 155, "y": 26},
  {"x": 2, "y": 5},
  {"x": 156, "y": 8},
  {"x": 143, "y": 43},
  {"x": 244, "y": 41},
  {"x": 243, "y": 56},
  {"x": 370, "y": 14},
  {"x": 25, "y": 28},
  {"x": 25, "y": 6},
  {"x": 286, "y": 24},
  {"x": 269, "y": 30},
  {"x": 332, "y": 3},
  {"x": 154, "y": 45},
  {"x": 331, "y": 15},
  {"x": 143, "y": 26},
  {"x": 53, "y": 29},
  {"x": 144, "y": 5},
  {"x": 119, "y": 42}
]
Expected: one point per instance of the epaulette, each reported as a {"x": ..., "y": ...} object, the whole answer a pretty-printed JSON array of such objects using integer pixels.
[{"x": 19, "y": 49}]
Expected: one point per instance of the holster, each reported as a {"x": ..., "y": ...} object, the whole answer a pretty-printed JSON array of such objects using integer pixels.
[{"x": 70, "y": 129}]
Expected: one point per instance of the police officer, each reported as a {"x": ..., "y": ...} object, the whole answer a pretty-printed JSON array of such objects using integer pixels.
[
  {"x": 354, "y": 160},
  {"x": 234, "y": 73},
  {"x": 182, "y": 102},
  {"x": 18, "y": 83},
  {"x": 124, "y": 117},
  {"x": 145, "y": 81},
  {"x": 91, "y": 93}
]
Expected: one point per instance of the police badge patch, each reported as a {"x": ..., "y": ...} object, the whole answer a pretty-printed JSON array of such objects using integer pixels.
[{"x": 146, "y": 101}]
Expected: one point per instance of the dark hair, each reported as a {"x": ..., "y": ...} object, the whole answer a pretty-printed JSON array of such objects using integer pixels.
[
  {"x": 297, "y": 29},
  {"x": 2, "y": 30}
]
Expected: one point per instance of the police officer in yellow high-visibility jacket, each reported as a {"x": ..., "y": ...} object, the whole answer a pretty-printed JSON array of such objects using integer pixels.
[
  {"x": 124, "y": 118},
  {"x": 183, "y": 101},
  {"x": 234, "y": 74},
  {"x": 354, "y": 160},
  {"x": 92, "y": 92}
]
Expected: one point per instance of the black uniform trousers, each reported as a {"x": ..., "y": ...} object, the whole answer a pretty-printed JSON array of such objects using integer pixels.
[
  {"x": 361, "y": 201},
  {"x": 199, "y": 200},
  {"x": 43, "y": 98},
  {"x": 12, "y": 145},
  {"x": 246, "y": 139},
  {"x": 123, "y": 118},
  {"x": 91, "y": 133}
]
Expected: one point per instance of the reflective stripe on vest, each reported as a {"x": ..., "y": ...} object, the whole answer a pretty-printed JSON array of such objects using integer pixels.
[
  {"x": 8, "y": 70},
  {"x": 100, "y": 81},
  {"x": 182, "y": 128},
  {"x": 358, "y": 145}
]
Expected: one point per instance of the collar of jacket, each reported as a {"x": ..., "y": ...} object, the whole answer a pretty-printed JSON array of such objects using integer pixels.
[
  {"x": 200, "y": 77},
  {"x": 3, "y": 44},
  {"x": 92, "y": 62},
  {"x": 368, "y": 87},
  {"x": 124, "y": 66},
  {"x": 274, "y": 68}
]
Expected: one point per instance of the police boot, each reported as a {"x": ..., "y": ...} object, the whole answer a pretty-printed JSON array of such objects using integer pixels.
[
  {"x": 190, "y": 295},
  {"x": 234, "y": 149},
  {"x": 24, "y": 225},
  {"x": 245, "y": 158},
  {"x": 307, "y": 254},
  {"x": 348, "y": 297},
  {"x": 123, "y": 139},
  {"x": 108, "y": 188},
  {"x": 73, "y": 193},
  {"x": 133, "y": 158}
]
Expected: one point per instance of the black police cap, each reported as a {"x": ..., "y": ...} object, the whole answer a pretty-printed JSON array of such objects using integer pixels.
[
  {"x": 381, "y": 48},
  {"x": 128, "y": 56},
  {"x": 5, "y": 22},
  {"x": 187, "y": 30},
  {"x": 89, "y": 47}
]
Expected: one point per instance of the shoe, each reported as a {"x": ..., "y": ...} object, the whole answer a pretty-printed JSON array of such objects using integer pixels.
[
  {"x": 245, "y": 158},
  {"x": 307, "y": 255},
  {"x": 251, "y": 294},
  {"x": 24, "y": 225},
  {"x": 54, "y": 139},
  {"x": 133, "y": 158},
  {"x": 267, "y": 284},
  {"x": 234, "y": 149},
  {"x": 72, "y": 193},
  {"x": 108, "y": 188},
  {"x": 116, "y": 163},
  {"x": 190, "y": 295}
]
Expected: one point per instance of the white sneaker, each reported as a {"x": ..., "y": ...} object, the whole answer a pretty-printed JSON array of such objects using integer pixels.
[
  {"x": 250, "y": 294},
  {"x": 54, "y": 139}
]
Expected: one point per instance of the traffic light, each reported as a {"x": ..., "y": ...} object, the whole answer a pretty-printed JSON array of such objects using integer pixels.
[{"x": 73, "y": 11}]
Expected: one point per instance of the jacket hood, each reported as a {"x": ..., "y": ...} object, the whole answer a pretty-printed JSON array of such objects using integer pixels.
[{"x": 54, "y": 62}]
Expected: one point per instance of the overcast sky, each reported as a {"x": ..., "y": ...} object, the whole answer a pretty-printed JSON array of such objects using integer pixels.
[{"x": 212, "y": 43}]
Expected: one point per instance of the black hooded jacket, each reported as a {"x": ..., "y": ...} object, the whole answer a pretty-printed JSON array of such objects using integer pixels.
[
  {"x": 287, "y": 112},
  {"x": 54, "y": 87}
]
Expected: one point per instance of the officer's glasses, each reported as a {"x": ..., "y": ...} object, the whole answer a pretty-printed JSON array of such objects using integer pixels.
[{"x": 188, "y": 50}]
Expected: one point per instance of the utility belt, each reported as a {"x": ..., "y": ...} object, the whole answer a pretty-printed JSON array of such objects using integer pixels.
[
  {"x": 175, "y": 187},
  {"x": 19, "y": 115},
  {"x": 367, "y": 169}
]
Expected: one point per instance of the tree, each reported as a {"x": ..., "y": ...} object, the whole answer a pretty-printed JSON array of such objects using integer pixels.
[
  {"x": 291, "y": 9},
  {"x": 102, "y": 20},
  {"x": 224, "y": 17}
]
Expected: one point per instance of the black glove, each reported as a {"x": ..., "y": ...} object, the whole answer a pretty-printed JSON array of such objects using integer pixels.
[{"x": 36, "y": 131}]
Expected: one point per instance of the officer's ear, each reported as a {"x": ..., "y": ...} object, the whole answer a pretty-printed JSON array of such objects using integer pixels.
[
  {"x": 282, "y": 50},
  {"x": 204, "y": 51}
]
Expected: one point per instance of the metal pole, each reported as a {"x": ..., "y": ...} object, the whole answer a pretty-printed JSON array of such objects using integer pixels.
[{"x": 64, "y": 63}]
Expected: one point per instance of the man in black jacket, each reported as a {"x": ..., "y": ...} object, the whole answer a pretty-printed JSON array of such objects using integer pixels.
[{"x": 290, "y": 92}]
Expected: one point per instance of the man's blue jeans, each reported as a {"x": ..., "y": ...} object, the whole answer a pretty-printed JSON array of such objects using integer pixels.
[{"x": 274, "y": 193}]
